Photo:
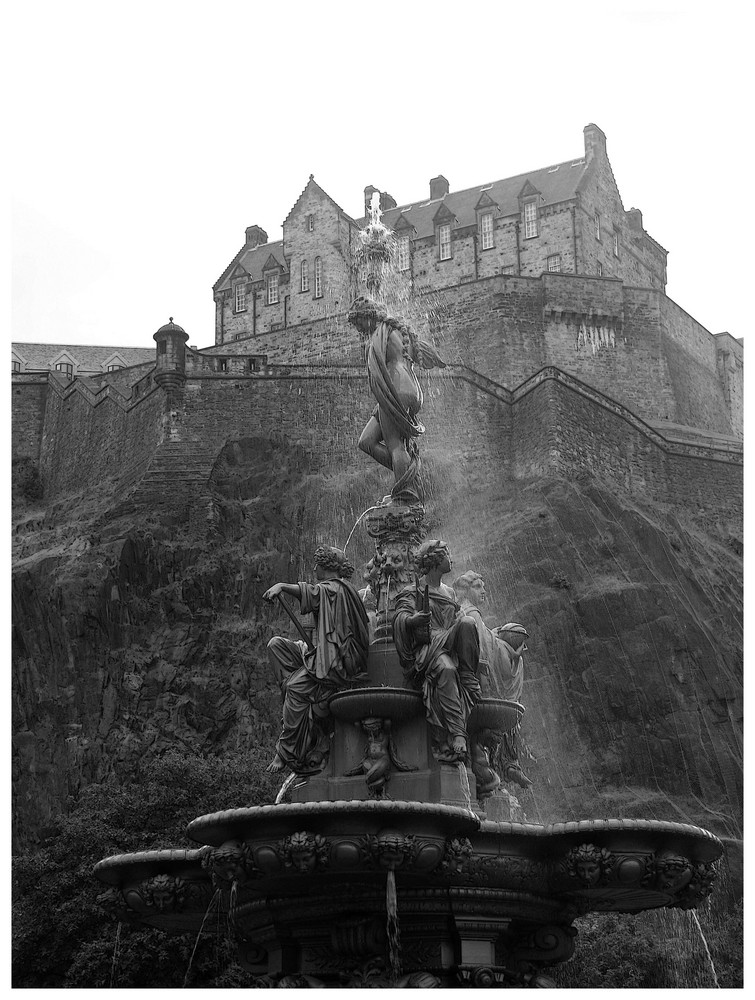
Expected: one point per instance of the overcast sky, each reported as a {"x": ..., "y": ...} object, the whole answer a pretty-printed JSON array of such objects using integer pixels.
[{"x": 146, "y": 137}]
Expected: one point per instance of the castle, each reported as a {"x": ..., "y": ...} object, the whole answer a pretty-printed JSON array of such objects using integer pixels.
[
  {"x": 545, "y": 296},
  {"x": 583, "y": 451}
]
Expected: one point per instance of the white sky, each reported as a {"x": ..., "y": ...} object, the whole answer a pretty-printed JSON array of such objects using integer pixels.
[{"x": 146, "y": 137}]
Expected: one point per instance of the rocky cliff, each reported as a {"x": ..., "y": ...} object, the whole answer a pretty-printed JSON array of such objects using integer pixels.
[{"x": 132, "y": 633}]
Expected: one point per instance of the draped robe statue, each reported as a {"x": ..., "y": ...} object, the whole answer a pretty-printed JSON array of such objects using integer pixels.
[
  {"x": 439, "y": 650},
  {"x": 309, "y": 676},
  {"x": 390, "y": 435}
]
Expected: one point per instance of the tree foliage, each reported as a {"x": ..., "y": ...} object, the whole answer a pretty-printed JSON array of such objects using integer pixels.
[{"x": 62, "y": 938}]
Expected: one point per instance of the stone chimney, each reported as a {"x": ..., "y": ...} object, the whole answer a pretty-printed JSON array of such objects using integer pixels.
[
  {"x": 368, "y": 193},
  {"x": 386, "y": 201},
  {"x": 438, "y": 187},
  {"x": 634, "y": 218},
  {"x": 595, "y": 142},
  {"x": 255, "y": 236}
]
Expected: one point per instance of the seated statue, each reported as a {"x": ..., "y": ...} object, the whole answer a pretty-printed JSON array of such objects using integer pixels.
[
  {"x": 439, "y": 651},
  {"x": 309, "y": 674},
  {"x": 501, "y": 665}
]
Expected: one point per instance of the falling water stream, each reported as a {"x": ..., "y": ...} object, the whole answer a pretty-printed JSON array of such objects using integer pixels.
[
  {"x": 392, "y": 925},
  {"x": 116, "y": 950},
  {"x": 696, "y": 921},
  {"x": 199, "y": 934}
]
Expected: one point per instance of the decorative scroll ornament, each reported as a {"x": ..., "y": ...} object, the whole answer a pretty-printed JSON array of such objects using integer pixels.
[
  {"x": 458, "y": 856},
  {"x": 497, "y": 977}
]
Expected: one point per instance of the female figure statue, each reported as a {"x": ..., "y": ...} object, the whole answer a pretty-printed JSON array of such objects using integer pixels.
[{"x": 391, "y": 432}]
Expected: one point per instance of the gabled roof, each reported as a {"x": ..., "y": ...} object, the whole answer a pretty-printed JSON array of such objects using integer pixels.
[
  {"x": 254, "y": 261},
  {"x": 312, "y": 185},
  {"x": 485, "y": 201},
  {"x": 41, "y": 357},
  {"x": 554, "y": 184}
]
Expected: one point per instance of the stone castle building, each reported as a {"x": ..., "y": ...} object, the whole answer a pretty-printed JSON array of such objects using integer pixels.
[
  {"x": 545, "y": 296},
  {"x": 567, "y": 218}
]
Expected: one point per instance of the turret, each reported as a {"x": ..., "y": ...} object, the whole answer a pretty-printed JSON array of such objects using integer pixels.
[{"x": 170, "y": 369}]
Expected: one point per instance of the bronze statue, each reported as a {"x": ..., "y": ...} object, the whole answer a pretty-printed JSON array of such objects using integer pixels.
[
  {"x": 501, "y": 674},
  {"x": 391, "y": 432},
  {"x": 440, "y": 650},
  {"x": 379, "y": 757},
  {"x": 309, "y": 673}
]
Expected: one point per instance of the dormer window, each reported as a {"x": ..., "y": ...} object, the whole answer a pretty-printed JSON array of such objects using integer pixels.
[
  {"x": 615, "y": 244},
  {"x": 114, "y": 368},
  {"x": 318, "y": 277},
  {"x": 239, "y": 300},
  {"x": 530, "y": 219},
  {"x": 444, "y": 242},
  {"x": 402, "y": 253},
  {"x": 597, "y": 226},
  {"x": 272, "y": 288},
  {"x": 310, "y": 223},
  {"x": 486, "y": 230},
  {"x": 304, "y": 287},
  {"x": 16, "y": 366},
  {"x": 65, "y": 368}
]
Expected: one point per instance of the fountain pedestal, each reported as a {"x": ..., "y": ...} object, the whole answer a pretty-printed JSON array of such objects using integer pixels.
[{"x": 385, "y": 695}]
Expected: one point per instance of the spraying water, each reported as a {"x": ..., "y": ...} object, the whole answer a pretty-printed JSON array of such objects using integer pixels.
[
  {"x": 374, "y": 507},
  {"x": 285, "y": 787}
]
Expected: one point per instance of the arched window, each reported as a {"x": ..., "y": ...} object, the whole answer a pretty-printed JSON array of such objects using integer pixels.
[
  {"x": 305, "y": 276},
  {"x": 318, "y": 277}
]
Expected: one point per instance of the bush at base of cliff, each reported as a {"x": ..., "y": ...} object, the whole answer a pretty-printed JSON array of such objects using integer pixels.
[
  {"x": 658, "y": 949},
  {"x": 61, "y": 938}
]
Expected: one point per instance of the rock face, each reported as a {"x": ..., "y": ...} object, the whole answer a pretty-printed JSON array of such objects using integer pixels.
[{"x": 133, "y": 633}]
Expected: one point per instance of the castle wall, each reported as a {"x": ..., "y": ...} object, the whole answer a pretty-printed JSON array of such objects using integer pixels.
[
  {"x": 650, "y": 356},
  {"x": 84, "y": 443},
  {"x": 28, "y": 402}
]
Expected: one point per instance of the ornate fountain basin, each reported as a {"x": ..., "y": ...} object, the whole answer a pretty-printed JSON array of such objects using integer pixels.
[
  {"x": 397, "y": 704},
  {"x": 495, "y": 713},
  {"x": 309, "y": 883}
]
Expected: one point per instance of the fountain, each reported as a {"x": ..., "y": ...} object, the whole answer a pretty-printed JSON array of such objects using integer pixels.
[{"x": 400, "y": 859}]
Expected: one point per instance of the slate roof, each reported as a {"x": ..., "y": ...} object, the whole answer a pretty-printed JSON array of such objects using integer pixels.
[
  {"x": 253, "y": 260},
  {"x": 556, "y": 183},
  {"x": 41, "y": 357}
]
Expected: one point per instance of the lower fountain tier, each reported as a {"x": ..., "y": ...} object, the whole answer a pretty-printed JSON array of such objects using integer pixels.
[{"x": 304, "y": 885}]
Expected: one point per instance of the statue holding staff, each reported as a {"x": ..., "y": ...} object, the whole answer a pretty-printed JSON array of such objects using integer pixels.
[
  {"x": 310, "y": 673},
  {"x": 439, "y": 650}
]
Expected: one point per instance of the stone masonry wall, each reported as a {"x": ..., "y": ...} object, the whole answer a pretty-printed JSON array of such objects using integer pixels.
[
  {"x": 28, "y": 401},
  {"x": 84, "y": 443},
  {"x": 639, "y": 261},
  {"x": 659, "y": 363}
]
